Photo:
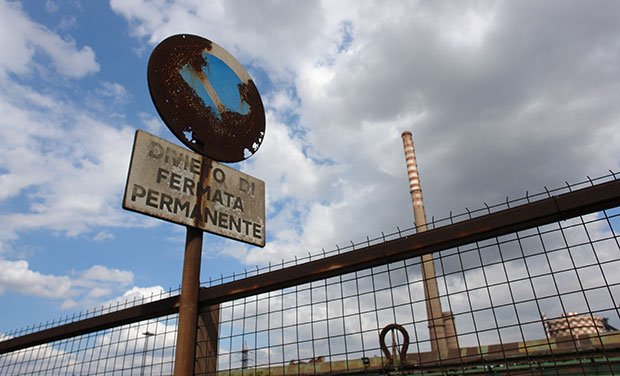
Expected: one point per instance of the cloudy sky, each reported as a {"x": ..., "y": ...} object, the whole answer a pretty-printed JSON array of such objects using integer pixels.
[{"x": 501, "y": 97}]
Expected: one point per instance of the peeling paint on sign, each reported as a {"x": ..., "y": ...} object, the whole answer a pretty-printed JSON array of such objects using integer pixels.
[{"x": 206, "y": 98}]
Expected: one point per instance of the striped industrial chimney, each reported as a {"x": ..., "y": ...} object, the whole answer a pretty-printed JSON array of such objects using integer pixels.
[{"x": 440, "y": 324}]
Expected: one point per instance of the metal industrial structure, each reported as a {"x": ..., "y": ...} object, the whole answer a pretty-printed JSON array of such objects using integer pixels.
[{"x": 498, "y": 270}]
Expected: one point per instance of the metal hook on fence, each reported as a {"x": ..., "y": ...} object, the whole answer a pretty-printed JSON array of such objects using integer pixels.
[{"x": 402, "y": 358}]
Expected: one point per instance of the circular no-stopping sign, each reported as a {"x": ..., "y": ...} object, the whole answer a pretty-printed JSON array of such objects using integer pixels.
[{"x": 206, "y": 98}]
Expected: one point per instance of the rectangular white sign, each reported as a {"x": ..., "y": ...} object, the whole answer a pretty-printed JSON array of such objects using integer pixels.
[{"x": 164, "y": 182}]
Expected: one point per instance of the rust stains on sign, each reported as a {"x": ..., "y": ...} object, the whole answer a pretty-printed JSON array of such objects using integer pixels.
[{"x": 206, "y": 98}]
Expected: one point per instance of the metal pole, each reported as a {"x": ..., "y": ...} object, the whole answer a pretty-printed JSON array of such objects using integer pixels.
[
  {"x": 188, "y": 305},
  {"x": 436, "y": 325},
  {"x": 147, "y": 334}
]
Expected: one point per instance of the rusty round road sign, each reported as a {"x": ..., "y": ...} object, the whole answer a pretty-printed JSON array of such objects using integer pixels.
[{"x": 206, "y": 98}]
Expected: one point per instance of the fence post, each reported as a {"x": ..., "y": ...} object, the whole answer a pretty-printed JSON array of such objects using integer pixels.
[{"x": 206, "y": 341}]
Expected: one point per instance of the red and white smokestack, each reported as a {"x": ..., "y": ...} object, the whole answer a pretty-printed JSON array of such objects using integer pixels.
[
  {"x": 414, "y": 183},
  {"x": 442, "y": 338}
]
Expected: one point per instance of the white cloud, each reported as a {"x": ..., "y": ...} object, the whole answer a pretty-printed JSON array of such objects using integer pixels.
[
  {"x": 298, "y": 176},
  {"x": 79, "y": 289},
  {"x": 103, "y": 235},
  {"x": 137, "y": 295},
  {"x": 72, "y": 165},
  {"x": 234, "y": 26},
  {"x": 17, "y": 276},
  {"x": 500, "y": 101},
  {"x": 98, "y": 273},
  {"x": 51, "y": 6},
  {"x": 63, "y": 164},
  {"x": 113, "y": 90},
  {"x": 67, "y": 23},
  {"x": 99, "y": 292},
  {"x": 25, "y": 38},
  {"x": 153, "y": 125},
  {"x": 467, "y": 29}
]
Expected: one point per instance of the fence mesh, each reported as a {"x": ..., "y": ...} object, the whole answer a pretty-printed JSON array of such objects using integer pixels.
[
  {"x": 145, "y": 348},
  {"x": 501, "y": 291},
  {"x": 538, "y": 301}
]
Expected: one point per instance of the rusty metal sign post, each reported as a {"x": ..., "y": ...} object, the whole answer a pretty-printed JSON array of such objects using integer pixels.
[{"x": 210, "y": 103}]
